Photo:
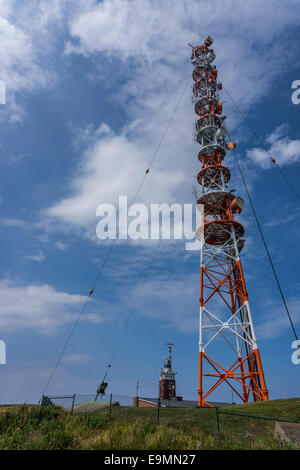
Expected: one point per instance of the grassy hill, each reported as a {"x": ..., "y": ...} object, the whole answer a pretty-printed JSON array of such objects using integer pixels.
[{"x": 50, "y": 427}]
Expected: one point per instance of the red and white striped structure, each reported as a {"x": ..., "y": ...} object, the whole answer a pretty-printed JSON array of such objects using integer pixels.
[{"x": 224, "y": 308}]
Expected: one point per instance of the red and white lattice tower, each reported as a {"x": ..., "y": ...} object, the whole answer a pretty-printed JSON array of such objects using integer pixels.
[{"x": 224, "y": 307}]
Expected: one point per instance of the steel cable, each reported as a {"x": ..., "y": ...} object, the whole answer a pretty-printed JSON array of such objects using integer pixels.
[
  {"x": 112, "y": 247},
  {"x": 266, "y": 246}
]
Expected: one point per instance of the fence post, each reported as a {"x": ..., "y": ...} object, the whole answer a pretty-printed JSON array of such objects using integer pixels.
[
  {"x": 73, "y": 401},
  {"x": 218, "y": 421},
  {"x": 158, "y": 407},
  {"x": 110, "y": 401}
]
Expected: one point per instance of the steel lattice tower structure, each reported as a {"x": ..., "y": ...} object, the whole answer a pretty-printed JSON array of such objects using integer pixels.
[{"x": 224, "y": 308}]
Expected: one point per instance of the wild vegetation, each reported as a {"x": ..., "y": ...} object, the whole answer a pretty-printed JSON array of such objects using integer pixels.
[{"x": 51, "y": 427}]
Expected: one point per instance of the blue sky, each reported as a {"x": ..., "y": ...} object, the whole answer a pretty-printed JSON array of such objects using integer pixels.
[{"x": 90, "y": 88}]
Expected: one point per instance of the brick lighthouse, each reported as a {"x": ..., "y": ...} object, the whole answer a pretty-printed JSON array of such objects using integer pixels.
[{"x": 167, "y": 385}]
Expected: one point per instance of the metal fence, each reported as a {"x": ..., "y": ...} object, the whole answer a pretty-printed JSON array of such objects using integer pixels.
[
  {"x": 219, "y": 412},
  {"x": 72, "y": 402},
  {"x": 65, "y": 401},
  {"x": 86, "y": 402}
]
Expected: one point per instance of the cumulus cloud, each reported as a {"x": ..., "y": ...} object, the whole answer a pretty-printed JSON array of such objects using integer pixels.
[
  {"x": 60, "y": 246},
  {"x": 10, "y": 222},
  {"x": 30, "y": 32},
  {"x": 44, "y": 309},
  {"x": 278, "y": 145},
  {"x": 151, "y": 34},
  {"x": 17, "y": 58},
  {"x": 125, "y": 28},
  {"x": 38, "y": 257},
  {"x": 113, "y": 166},
  {"x": 155, "y": 33},
  {"x": 39, "y": 307},
  {"x": 76, "y": 358},
  {"x": 19, "y": 68},
  {"x": 151, "y": 37}
]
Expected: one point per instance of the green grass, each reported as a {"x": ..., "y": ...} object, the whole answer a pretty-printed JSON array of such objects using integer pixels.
[{"x": 51, "y": 427}]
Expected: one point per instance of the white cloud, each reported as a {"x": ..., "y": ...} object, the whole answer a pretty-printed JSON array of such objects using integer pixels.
[
  {"x": 153, "y": 30},
  {"x": 154, "y": 33},
  {"x": 278, "y": 145},
  {"x": 76, "y": 358},
  {"x": 39, "y": 307},
  {"x": 276, "y": 321},
  {"x": 19, "y": 68},
  {"x": 30, "y": 33},
  {"x": 93, "y": 317},
  {"x": 280, "y": 221},
  {"x": 60, "y": 246},
  {"x": 17, "y": 62},
  {"x": 127, "y": 28},
  {"x": 113, "y": 166},
  {"x": 10, "y": 222},
  {"x": 24, "y": 381},
  {"x": 38, "y": 257},
  {"x": 151, "y": 38}
]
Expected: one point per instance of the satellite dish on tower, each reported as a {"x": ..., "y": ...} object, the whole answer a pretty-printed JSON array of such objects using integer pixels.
[
  {"x": 237, "y": 205},
  {"x": 208, "y": 41},
  {"x": 221, "y": 132}
]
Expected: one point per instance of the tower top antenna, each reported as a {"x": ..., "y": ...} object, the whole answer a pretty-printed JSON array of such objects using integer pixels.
[{"x": 170, "y": 353}]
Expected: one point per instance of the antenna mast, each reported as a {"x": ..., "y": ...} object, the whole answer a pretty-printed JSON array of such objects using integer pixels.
[{"x": 224, "y": 306}]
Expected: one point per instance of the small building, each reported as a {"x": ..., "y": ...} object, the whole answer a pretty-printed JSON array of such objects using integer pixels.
[{"x": 171, "y": 403}]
